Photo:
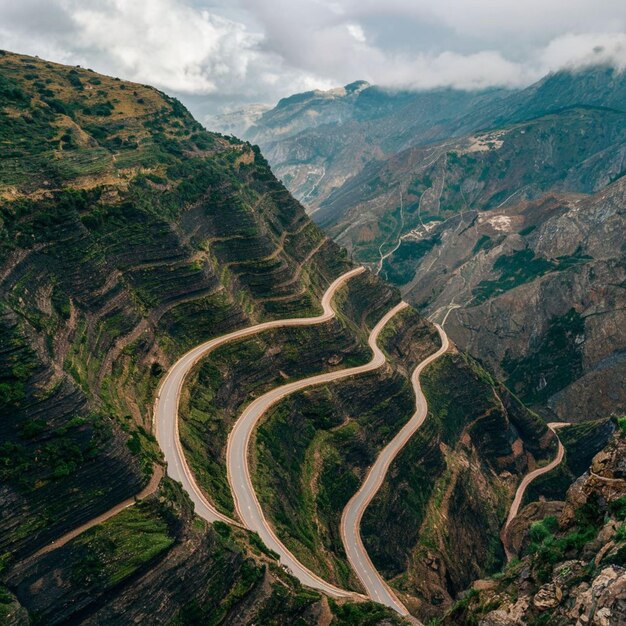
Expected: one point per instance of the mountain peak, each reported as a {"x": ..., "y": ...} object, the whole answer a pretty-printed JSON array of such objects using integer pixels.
[{"x": 357, "y": 86}]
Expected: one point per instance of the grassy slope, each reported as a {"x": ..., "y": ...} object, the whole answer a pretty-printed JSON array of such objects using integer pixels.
[
  {"x": 127, "y": 234},
  {"x": 446, "y": 487},
  {"x": 314, "y": 447}
]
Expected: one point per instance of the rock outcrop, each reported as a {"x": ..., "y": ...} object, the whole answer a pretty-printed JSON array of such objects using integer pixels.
[{"x": 573, "y": 568}]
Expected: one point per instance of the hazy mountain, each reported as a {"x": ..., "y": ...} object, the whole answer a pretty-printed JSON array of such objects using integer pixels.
[
  {"x": 463, "y": 222},
  {"x": 316, "y": 141},
  {"x": 236, "y": 122}
]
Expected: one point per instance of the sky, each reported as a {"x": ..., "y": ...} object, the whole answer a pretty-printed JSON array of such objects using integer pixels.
[{"x": 218, "y": 55}]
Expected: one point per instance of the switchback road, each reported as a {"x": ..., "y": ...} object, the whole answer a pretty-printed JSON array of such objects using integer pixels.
[
  {"x": 521, "y": 490},
  {"x": 168, "y": 397},
  {"x": 373, "y": 582},
  {"x": 246, "y": 502}
]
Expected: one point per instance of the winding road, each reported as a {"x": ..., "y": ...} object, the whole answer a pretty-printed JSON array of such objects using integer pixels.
[
  {"x": 247, "y": 505},
  {"x": 168, "y": 397},
  {"x": 246, "y": 502},
  {"x": 374, "y": 584},
  {"x": 529, "y": 478}
]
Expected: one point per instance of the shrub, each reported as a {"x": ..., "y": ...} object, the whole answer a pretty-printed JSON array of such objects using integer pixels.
[
  {"x": 539, "y": 531},
  {"x": 618, "y": 508}
]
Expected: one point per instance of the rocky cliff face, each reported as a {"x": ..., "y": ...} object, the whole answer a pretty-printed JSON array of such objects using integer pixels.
[
  {"x": 572, "y": 569},
  {"x": 534, "y": 291},
  {"x": 566, "y": 349}
]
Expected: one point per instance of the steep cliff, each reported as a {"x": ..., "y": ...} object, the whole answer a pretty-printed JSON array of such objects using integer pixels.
[
  {"x": 572, "y": 566},
  {"x": 129, "y": 234}
]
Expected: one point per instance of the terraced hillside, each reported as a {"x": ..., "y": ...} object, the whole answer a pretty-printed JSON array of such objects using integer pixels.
[
  {"x": 313, "y": 449},
  {"x": 129, "y": 235}
]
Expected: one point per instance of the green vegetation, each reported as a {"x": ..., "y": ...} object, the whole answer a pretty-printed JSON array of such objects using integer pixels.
[
  {"x": 419, "y": 185},
  {"x": 618, "y": 508},
  {"x": 516, "y": 269},
  {"x": 116, "y": 549},
  {"x": 401, "y": 266},
  {"x": 485, "y": 242},
  {"x": 259, "y": 363},
  {"x": 309, "y": 451},
  {"x": 519, "y": 268},
  {"x": 549, "y": 549},
  {"x": 582, "y": 442},
  {"x": 539, "y": 531},
  {"x": 128, "y": 234},
  {"x": 362, "y": 614},
  {"x": 389, "y": 229},
  {"x": 527, "y": 230},
  {"x": 313, "y": 447},
  {"x": 135, "y": 233},
  {"x": 553, "y": 364},
  {"x": 430, "y": 504},
  {"x": 564, "y": 553}
]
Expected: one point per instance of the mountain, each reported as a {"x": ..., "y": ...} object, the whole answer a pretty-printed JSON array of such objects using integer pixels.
[
  {"x": 573, "y": 555},
  {"x": 525, "y": 208},
  {"x": 236, "y": 122},
  {"x": 316, "y": 141},
  {"x": 128, "y": 236}
]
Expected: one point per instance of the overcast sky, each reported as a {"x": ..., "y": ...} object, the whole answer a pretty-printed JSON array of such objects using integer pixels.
[{"x": 221, "y": 54}]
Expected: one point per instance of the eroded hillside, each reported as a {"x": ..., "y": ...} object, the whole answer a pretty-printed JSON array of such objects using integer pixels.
[{"x": 129, "y": 235}]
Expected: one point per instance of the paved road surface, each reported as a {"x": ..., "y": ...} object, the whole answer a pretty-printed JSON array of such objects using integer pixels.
[
  {"x": 519, "y": 494},
  {"x": 168, "y": 398},
  {"x": 373, "y": 582},
  {"x": 246, "y": 502}
]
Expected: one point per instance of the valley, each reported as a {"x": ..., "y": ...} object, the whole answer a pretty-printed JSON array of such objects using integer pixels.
[
  {"x": 212, "y": 411},
  {"x": 515, "y": 198}
]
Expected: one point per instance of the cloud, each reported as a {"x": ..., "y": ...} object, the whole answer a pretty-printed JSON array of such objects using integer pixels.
[
  {"x": 357, "y": 32},
  {"x": 222, "y": 53},
  {"x": 165, "y": 42},
  {"x": 578, "y": 51}
]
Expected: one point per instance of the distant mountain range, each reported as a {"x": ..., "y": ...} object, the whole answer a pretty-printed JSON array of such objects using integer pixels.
[{"x": 452, "y": 195}]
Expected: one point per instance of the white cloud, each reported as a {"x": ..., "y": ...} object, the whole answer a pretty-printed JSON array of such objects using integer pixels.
[
  {"x": 166, "y": 43},
  {"x": 576, "y": 51},
  {"x": 471, "y": 71},
  {"x": 357, "y": 32},
  {"x": 240, "y": 51}
]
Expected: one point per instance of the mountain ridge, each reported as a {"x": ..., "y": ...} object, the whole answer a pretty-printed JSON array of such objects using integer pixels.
[{"x": 128, "y": 235}]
